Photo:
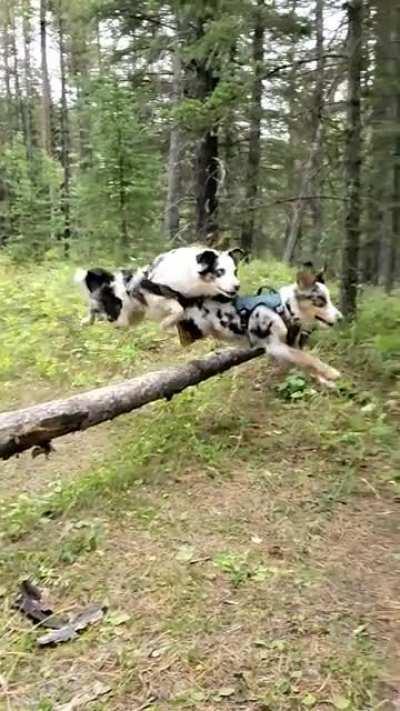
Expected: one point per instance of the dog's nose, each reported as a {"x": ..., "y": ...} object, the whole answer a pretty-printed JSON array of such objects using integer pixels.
[{"x": 236, "y": 286}]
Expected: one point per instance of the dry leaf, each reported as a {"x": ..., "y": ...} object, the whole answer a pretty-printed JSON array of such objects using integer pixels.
[
  {"x": 33, "y": 603},
  {"x": 92, "y": 614}
]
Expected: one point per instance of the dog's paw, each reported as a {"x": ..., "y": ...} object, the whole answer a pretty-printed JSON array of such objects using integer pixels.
[
  {"x": 326, "y": 372},
  {"x": 332, "y": 373},
  {"x": 326, "y": 383}
]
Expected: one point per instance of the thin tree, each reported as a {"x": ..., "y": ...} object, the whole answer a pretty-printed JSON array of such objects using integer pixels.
[
  {"x": 64, "y": 131},
  {"x": 311, "y": 171},
  {"x": 9, "y": 124},
  {"x": 201, "y": 78},
  {"x": 350, "y": 256},
  {"x": 46, "y": 103},
  {"x": 394, "y": 240},
  {"x": 28, "y": 79},
  {"x": 379, "y": 145},
  {"x": 254, "y": 155},
  {"x": 21, "y": 115},
  {"x": 290, "y": 94},
  {"x": 317, "y": 114},
  {"x": 175, "y": 154}
]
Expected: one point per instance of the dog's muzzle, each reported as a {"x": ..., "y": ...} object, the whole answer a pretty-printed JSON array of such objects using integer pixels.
[
  {"x": 327, "y": 323},
  {"x": 229, "y": 294}
]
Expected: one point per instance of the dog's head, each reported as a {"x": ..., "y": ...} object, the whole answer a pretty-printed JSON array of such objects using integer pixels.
[
  {"x": 218, "y": 271},
  {"x": 313, "y": 297}
]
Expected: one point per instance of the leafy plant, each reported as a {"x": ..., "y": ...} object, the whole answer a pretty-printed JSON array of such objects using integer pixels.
[{"x": 295, "y": 387}]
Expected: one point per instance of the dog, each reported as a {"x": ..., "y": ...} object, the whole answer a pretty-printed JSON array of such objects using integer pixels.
[
  {"x": 126, "y": 297},
  {"x": 262, "y": 320}
]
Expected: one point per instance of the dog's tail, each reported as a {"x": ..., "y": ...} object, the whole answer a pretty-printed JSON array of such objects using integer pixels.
[
  {"x": 80, "y": 276},
  {"x": 93, "y": 279}
]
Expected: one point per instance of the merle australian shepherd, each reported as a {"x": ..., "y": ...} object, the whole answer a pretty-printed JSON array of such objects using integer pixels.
[{"x": 279, "y": 322}]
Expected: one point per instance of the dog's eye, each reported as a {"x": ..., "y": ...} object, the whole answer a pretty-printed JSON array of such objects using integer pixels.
[
  {"x": 220, "y": 272},
  {"x": 319, "y": 301}
]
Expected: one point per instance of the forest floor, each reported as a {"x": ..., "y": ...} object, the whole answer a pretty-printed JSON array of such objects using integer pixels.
[{"x": 244, "y": 537}]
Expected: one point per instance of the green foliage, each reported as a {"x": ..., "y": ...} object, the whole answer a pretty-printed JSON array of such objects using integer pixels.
[
  {"x": 295, "y": 387},
  {"x": 31, "y": 211},
  {"x": 374, "y": 335},
  {"x": 116, "y": 197}
]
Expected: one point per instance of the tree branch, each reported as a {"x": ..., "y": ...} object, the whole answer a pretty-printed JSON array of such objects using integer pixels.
[{"x": 299, "y": 62}]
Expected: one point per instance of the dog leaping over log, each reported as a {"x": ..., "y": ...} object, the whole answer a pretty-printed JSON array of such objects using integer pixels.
[{"x": 261, "y": 321}]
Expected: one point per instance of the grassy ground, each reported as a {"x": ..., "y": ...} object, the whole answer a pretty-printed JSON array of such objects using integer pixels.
[{"x": 244, "y": 536}]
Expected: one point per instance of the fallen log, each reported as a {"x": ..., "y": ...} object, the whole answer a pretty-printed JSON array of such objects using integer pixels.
[{"x": 40, "y": 424}]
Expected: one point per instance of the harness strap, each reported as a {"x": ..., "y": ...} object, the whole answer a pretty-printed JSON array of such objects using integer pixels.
[{"x": 162, "y": 290}]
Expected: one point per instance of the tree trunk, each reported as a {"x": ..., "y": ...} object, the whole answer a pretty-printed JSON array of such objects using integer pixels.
[
  {"x": 254, "y": 156},
  {"x": 9, "y": 124},
  {"x": 206, "y": 182},
  {"x": 394, "y": 240},
  {"x": 124, "y": 236},
  {"x": 299, "y": 205},
  {"x": 292, "y": 118},
  {"x": 201, "y": 77},
  {"x": 318, "y": 108},
  {"x": 175, "y": 157},
  {"x": 40, "y": 424},
  {"x": 379, "y": 147},
  {"x": 21, "y": 117},
  {"x": 64, "y": 133},
  {"x": 352, "y": 160},
  {"x": 310, "y": 182},
  {"x": 46, "y": 105},
  {"x": 28, "y": 79}
]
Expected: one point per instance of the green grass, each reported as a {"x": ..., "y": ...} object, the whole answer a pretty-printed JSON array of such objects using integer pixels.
[{"x": 244, "y": 535}]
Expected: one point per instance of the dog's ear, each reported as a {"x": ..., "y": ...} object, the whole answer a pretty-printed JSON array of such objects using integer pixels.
[
  {"x": 305, "y": 280},
  {"x": 321, "y": 274},
  {"x": 237, "y": 254},
  {"x": 207, "y": 260}
]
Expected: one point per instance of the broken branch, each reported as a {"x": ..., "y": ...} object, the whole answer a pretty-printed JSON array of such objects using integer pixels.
[{"x": 39, "y": 425}]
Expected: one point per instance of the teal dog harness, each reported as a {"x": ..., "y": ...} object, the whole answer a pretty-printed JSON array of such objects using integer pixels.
[{"x": 245, "y": 305}]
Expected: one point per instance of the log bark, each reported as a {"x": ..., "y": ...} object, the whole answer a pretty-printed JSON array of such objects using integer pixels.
[{"x": 39, "y": 425}]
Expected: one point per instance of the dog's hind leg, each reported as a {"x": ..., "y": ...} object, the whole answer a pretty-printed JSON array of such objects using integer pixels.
[
  {"x": 90, "y": 318},
  {"x": 174, "y": 314}
]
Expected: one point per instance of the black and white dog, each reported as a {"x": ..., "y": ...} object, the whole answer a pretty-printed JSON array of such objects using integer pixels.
[
  {"x": 125, "y": 297},
  {"x": 268, "y": 321}
]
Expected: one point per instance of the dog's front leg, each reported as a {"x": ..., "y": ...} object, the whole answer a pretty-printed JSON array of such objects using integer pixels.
[{"x": 324, "y": 373}]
